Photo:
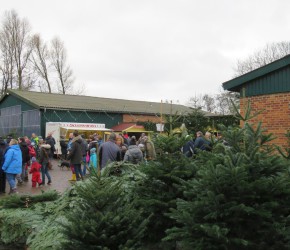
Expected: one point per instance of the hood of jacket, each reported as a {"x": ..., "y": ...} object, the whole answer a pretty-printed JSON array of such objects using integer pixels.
[
  {"x": 134, "y": 150},
  {"x": 15, "y": 147},
  {"x": 77, "y": 139},
  {"x": 93, "y": 150}
]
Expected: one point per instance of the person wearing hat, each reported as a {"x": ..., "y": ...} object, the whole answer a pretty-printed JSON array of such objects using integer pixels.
[{"x": 35, "y": 171}]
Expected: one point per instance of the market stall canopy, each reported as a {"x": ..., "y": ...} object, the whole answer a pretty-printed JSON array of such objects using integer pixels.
[{"x": 80, "y": 126}]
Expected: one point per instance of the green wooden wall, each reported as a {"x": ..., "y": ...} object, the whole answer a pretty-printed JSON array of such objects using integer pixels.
[
  {"x": 109, "y": 119},
  {"x": 275, "y": 82},
  {"x": 11, "y": 100}
]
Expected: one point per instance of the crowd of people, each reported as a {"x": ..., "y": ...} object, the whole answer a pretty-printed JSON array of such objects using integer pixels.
[
  {"x": 202, "y": 142},
  {"x": 24, "y": 156},
  {"x": 20, "y": 157},
  {"x": 94, "y": 154}
]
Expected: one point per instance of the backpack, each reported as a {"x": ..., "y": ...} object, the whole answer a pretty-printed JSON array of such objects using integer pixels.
[
  {"x": 32, "y": 152},
  {"x": 134, "y": 159}
]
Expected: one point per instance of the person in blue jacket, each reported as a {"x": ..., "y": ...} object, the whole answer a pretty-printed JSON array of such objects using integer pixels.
[
  {"x": 12, "y": 164},
  {"x": 93, "y": 160}
]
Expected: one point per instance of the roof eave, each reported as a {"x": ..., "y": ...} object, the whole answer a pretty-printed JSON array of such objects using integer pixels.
[
  {"x": 235, "y": 84},
  {"x": 10, "y": 92}
]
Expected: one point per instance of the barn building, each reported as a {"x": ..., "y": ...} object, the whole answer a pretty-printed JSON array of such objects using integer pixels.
[
  {"x": 268, "y": 89},
  {"x": 24, "y": 112}
]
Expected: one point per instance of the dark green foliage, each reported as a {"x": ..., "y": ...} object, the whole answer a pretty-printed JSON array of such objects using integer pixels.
[
  {"x": 196, "y": 121},
  {"x": 235, "y": 197},
  {"x": 26, "y": 201},
  {"x": 48, "y": 235},
  {"x": 19, "y": 217},
  {"x": 149, "y": 126},
  {"x": 103, "y": 217},
  {"x": 16, "y": 225},
  {"x": 285, "y": 152},
  {"x": 158, "y": 191},
  {"x": 240, "y": 198},
  {"x": 169, "y": 144}
]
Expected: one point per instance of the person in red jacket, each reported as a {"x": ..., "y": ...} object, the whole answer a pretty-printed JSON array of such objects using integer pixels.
[
  {"x": 32, "y": 153},
  {"x": 35, "y": 171}
]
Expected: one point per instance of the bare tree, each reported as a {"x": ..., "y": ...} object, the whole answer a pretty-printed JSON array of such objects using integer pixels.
[
  {"x": 26, "y": 61},
  {"x": 63, "y": 70},
  {"x": 41, "y": 60},
  {"x": 6, "y": 64},
  {"x": 205, "y": 102},
  {"x": 219, "y": 103},
  {"x": 80, "y": 90},
  {"x": 196, "y": 102},
  {"x": 16, "y": 33},
  {"x": 270, "y": 53},
  {"x": 225, "y": 101},
  {"x": 208, "y": 103}
]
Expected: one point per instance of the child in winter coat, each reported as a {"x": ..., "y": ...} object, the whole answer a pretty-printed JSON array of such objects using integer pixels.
[
  {"x": 32, "y": 153},
  {"x": 35, "y": 171},
  {"x": 93, "y": 160}
]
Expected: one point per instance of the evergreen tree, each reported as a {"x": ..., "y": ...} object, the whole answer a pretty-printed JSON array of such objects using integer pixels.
[
  {"x": 103, "y": 216},
  {"x": 285, "y": 151},
  {"x": 240, "y": 198},
  {"x": 158, "y": 191},
  {"x": 21, "y": 216}
]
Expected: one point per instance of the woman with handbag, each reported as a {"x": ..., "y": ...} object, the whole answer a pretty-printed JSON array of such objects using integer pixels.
[{"x": 44, "y": 161}]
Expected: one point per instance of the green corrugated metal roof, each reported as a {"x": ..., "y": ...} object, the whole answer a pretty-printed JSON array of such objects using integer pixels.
[
  {"x": 235, "y": 84},
  {"x": 89, "y": 103}
]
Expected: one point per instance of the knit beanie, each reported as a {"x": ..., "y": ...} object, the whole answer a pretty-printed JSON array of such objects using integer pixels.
[{"x": 33, "y": 159}]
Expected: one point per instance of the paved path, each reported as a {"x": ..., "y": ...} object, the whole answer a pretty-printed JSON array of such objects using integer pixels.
[{"x": 59, "y": 178}]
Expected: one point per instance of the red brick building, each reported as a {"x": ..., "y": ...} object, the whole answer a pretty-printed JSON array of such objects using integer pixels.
[{"x": 268, "y": 89}]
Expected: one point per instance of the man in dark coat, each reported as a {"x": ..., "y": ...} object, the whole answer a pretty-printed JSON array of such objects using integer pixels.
[
  {"x": 75, "y": 154},
  {"x": 25, "y": 158},
  {"x": 84, "y": 153},
  {"x": 109, "y": 151},
  {"x": 3, "y": 147},
  {"x": 188, "y": 148},
  {"x": 63, "y": 146},
  {"x": 51, "y": 141}
]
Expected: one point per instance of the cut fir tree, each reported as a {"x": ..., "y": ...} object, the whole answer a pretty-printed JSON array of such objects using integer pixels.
[{"x": 240, "y": 198}]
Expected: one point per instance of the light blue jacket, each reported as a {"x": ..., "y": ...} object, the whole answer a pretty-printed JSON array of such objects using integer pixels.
[
  {"x": 13, "y": 160},
  {"x": 93, "y": 160}
]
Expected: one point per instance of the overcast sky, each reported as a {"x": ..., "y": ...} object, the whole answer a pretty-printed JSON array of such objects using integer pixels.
[{"x": 154, "y": 50}]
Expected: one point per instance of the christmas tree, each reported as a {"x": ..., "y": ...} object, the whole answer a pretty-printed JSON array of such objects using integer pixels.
[
  {"x": 157, "y": 193},
  {"x": 240, "y": 197}
]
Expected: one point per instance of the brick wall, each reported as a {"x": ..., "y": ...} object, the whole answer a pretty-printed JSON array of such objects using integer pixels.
[
  {"x": 276, "y": 115},
  {"x": 141, "y": 118}
]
